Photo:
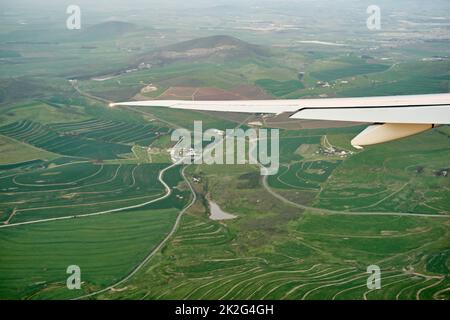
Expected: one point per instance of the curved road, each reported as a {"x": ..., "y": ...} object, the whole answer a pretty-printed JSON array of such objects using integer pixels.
[{"x": 160, "y": 178}]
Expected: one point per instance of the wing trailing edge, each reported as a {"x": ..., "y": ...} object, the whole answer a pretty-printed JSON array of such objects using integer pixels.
[{"x": 394, "y": 117}]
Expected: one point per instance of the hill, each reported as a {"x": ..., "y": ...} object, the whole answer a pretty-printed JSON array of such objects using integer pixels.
[{"x": 214, "y": 48}]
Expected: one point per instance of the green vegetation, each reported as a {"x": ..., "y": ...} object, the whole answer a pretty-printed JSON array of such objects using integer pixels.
[
  {"x": 181, "y": 118},
  {"x": 75, "y": 188},
  {"x": 279, "y": 88},
  {"x": 112, "y": 131},
  {"x": 103, "y": 247},
  {"x": 353, "y": 69},
  {"x": 142, "y": 154},
  {"x": 65, "y": 153},
  {"x": 412, "y": 185},
  {"x": 273, "y": 250},
  {"x": 13, "y": 151},
  {"x": 44, "y": 137},
  {"x": 44, "y": 113},
  {"x": 407, "y": 78},
  {"x": 314, "y": 257},
  {"x": 307, "y": 175}
]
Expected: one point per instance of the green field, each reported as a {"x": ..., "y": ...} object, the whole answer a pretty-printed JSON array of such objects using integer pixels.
[
  {"x": 61, "y": 190},
  {"x": 279, "y": 88},
  {"x": 355, "y": 68},
  {"x": 32, "y": 267},
  {"x": 15, "y": 152},
  {"x": 310, "y": 257},
  {"x": 412, "y": 185}
]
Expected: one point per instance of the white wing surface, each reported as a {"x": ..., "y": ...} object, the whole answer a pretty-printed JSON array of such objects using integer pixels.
[{"x": 395, "y": 116}]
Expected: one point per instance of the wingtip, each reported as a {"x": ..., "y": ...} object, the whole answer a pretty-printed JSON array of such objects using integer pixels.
[{"x": 357, "y": 147}]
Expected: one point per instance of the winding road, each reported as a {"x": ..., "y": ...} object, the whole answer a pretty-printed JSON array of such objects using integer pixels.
[{"x": 140, "y": 205}]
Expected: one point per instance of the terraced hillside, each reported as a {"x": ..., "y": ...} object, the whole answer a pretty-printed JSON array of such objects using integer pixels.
[
  {"x": 101, "y": 205},
  {"x": 77, "y": 188},
  {"x": 315, "y": 257},
  {"x": 85, "y": 184},
  {"x": 104, "y": 218},
  {"x": 277, "y": 250},
  {"x": 44, "y": 137},
  {"x": 112, "y": 131},
  {"x": 406, "y": 176}
]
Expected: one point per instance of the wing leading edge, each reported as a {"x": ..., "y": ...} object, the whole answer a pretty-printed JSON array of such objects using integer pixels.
[{"x": 395, "y": 116}]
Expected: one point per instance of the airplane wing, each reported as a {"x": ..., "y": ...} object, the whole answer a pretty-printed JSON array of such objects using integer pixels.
[
  {"x": 243, "y": 106},
  {"x": 394, "y": 117}
]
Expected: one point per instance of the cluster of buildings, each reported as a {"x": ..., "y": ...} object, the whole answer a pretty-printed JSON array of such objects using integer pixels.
[
  {"x": 326, "y": 84},
  {"x": 178, "y": 154},
  {"x": 331, "y": 151},
  {"x": 141, "y": 66},
  {"x": 323, "y": 84}
]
